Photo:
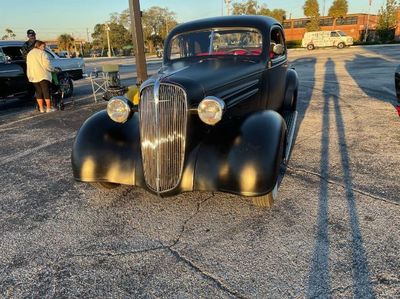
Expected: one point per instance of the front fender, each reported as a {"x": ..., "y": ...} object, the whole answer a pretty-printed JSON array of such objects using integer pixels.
[
  {"x": 243, "y": 160},
  {"x": 106, "y": 151}
]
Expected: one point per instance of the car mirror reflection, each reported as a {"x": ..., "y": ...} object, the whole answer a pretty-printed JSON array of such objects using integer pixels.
[{"x": 278, "y": 49}]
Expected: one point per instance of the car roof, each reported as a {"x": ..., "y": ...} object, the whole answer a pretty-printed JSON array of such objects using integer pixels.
[
  {"x": 11, "y": 43},
  {"x": 260, "y": 22}
]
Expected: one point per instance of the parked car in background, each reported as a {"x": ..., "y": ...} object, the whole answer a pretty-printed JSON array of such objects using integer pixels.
[
  {"x": 319, "y": 39},
  {"x": 13, "y": 80},
  {"x": 74, "y": 67},
  {"x": 219, "y": 115}
]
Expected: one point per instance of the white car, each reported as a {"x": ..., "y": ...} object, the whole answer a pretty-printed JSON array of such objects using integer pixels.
[
  {"x": 73, "y": 66},
  {"x": 334, "y": 38}
]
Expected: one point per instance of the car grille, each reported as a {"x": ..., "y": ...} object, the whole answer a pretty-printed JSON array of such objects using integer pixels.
[{"x": 163, "y": 117}]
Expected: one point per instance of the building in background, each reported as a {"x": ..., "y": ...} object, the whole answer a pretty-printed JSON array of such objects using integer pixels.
[
  {"x": 354, "y": 25},
  {"x": 77, "y": 50}
]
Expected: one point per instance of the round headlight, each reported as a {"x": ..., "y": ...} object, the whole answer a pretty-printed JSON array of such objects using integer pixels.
[
  {"x": 210, "y": 110},
  {"x": 118, "y": 109}
]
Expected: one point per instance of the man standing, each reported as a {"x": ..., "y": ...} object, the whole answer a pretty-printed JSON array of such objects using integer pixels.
[{"x": 29, "y": 44}]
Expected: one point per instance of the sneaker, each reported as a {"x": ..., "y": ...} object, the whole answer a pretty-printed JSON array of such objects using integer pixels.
[{"x": 50, "y": 110}]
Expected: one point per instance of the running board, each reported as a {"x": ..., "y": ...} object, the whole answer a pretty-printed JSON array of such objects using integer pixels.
[{"x": 291, "y": 120}]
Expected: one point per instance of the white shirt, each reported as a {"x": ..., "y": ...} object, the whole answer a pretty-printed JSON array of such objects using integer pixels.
[{"x": 38, "y": 66}]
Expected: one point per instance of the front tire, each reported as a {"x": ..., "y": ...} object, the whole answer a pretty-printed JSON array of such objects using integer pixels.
[
  {"x": 104, "y": 185},
  {"x": 265, "y": 201},
  {"x": 341, "y": 45}
]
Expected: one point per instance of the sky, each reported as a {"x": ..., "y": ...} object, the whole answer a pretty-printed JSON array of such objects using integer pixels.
[{"x": 50, "y": 18}]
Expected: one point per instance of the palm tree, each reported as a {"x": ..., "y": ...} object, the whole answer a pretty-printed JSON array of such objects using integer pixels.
[{"x": 66, "y": 42}]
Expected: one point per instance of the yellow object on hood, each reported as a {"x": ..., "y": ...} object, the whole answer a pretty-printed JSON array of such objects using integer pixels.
[{"x": 133, "y": 94}]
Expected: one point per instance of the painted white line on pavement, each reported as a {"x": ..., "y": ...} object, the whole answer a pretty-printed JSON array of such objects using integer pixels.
[
  {"x": 43, "y": 114},
  {"x": 35, "y": 149}
]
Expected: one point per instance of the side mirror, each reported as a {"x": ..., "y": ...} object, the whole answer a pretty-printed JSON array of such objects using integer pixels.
[{"x": 278, "y": 49}]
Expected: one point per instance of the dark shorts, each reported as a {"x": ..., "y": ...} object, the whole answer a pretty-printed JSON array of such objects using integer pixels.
[{"x": 42, "y": 89}]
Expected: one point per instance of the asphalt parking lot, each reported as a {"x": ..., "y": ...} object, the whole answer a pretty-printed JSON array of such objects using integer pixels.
[{"x": 333, "y": 232}]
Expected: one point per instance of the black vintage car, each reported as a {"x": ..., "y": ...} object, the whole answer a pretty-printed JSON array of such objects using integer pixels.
[
  {"x": 397, "y": 84},
  {"x": 220, "y": 115}
]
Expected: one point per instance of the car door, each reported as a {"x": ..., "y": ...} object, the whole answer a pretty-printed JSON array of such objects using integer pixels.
[
  {"x": 14, "y": 55},
  {"x": 334, "y": 38},
  {"x": 277, "y": 68},
  {"x": 12, "y": 77}
]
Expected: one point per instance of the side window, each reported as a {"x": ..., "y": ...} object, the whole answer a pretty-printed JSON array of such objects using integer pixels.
[
  {"x": 13, "y": 52},
  {"x": 2, "y": 57},
  {"x": 277, "y": 47},
  {"x": 334, "y": 34},
  {"x": 49, "y": 55}
]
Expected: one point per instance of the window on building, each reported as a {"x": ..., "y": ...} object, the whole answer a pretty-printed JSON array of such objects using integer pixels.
[
  {"x": 326, "y": 22},
  {"x": 300, "y": 23},
  {"x": 287, "y": 25},
  {"x": 347, "y": 21}
]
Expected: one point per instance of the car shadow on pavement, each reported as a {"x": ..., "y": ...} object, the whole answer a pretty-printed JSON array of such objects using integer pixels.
[
  {"x": 305, "y": 89},
  {"x": 360, "y": 69},
  {"x": 319, "y": 284}
]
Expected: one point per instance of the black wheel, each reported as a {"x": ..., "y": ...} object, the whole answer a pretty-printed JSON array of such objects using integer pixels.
[
  {"x": 104, "y": 185},
  {"x": 310, "y": 47},
  {"x": 290, "y": 102},
  {"x": 341, "y": 45},
  {"x": 265, "y": 201}
]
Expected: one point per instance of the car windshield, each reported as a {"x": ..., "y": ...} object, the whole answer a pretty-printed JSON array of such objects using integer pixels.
[
  {"x": 216, "y": 41},
  {"x": 341, "y": 33}
]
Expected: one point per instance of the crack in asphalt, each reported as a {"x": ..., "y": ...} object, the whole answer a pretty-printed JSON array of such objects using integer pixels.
[
  {"x": 204, "y": 274},
  {"x": 342, "y": 185},
  {"x": 199, "y": 204},
  {"x": 169, "y": 248}
]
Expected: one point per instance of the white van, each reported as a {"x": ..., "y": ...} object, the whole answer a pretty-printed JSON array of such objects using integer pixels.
[{"x": 335, "y": 38}]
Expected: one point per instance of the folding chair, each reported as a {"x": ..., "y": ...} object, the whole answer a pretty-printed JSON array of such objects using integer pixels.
[{"x": 106, "y": 81}]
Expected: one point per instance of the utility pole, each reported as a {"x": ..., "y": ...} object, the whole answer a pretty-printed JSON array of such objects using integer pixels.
[
  {"x": 367, "y": 27},
  {"x": 108, "y": 40},
  {"x": 137, "y": 36},
  {"x": 87, "y": 35},
  {"x": 323, "y": 9},
  {"x": 228, "y": 7}
]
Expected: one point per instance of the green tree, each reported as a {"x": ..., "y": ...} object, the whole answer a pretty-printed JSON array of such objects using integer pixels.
[
  {"x": 157, "y": 22},
  {"x": 9, "y": 34},
  {"x": 387, "y": 20},
  {"x": 338, "y": 9},
  {"x": 251, "y": 7},
  {"x": 66, "y": 42},
  {"x": 311, "y": 10},
  {"x": 119, "y": 36},
  {"x": 122, "y": 18}
]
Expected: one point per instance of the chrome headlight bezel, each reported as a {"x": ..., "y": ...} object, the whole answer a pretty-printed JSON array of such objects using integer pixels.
[
  {"x": 119, "y": 109},
  {"x": 210, "y": 110}
]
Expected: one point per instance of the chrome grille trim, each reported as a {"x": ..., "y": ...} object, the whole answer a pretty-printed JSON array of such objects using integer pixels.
[{"x": 163, "y": 117}]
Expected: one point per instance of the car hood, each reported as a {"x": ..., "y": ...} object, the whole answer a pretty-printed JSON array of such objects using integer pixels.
[{"x": 210, "y": 76}]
